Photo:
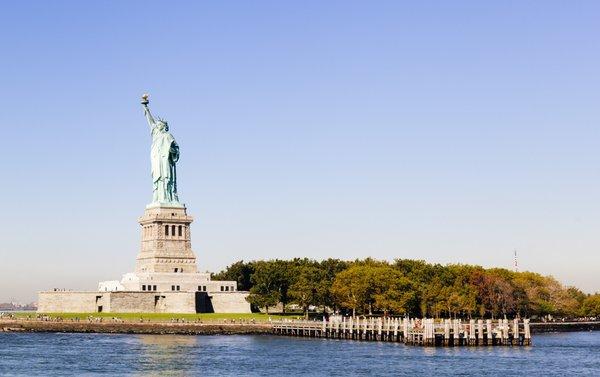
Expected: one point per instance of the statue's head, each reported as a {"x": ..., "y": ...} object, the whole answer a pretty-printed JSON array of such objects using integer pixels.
[{"x": 162, "y": 125}]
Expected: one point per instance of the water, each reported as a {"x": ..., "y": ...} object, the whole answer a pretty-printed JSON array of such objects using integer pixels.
[{"x": 43, "y": 354}]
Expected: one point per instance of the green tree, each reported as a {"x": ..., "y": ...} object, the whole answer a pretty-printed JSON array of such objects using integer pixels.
[
  {"x": 266, "y": 285},
  {"x": 537, "y": 298},
  {"x": 308, "y": 288},
  {"x": 407, "y": 286},
  {"x": 351, "y": 288},
  {"x": 240, "y": 272},
  {"x": 285, "y": 279},
  {"x": 330, "y": 267},
  {"x": 392, "y": 292},
  {"x": 591, "y": 306}
]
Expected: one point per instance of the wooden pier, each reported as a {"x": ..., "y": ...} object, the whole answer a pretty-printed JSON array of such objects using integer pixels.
[{"x": 422, "y": 332}]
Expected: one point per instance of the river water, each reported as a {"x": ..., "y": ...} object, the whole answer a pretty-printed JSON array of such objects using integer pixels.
[{"x": 41, "y": 354}]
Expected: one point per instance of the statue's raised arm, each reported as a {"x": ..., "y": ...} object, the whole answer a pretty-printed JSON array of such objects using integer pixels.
[{"x": 149, "y": 118}]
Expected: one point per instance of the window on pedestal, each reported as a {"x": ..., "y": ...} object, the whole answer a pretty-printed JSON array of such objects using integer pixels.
[
  {"x": 172, "y": 287},
  {"x": 172, "y": 230},
  {"x": 179, "y": 232},
  {"x": 154, "y": 287},
  {"x": 166, "y": 230},
  {"x": 177, "y": 287}
]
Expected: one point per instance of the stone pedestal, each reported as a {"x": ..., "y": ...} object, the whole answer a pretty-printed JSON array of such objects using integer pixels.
[{"x": 166, "y": 241}]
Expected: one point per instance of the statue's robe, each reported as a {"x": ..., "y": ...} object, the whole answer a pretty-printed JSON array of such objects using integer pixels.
[{"x": 164, "y": 154}]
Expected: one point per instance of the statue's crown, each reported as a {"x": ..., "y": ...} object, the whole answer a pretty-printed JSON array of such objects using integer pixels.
[{"x": 161, "y": 120}]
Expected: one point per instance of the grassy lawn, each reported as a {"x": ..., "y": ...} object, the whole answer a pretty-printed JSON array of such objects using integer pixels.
[{"x": 167, "y": 317}]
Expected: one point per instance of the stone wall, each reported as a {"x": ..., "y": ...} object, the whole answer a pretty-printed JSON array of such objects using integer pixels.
[
  {"x": 131, "y": 302},
  {"x": 180, "y": 302},
  {"x": 70, "y": 302},
  {"x": 230, "y": 302},
  {"x": 141, "y": 302}
]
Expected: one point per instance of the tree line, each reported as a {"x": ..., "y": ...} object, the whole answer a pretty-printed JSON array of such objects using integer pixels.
[{"x": 406, "y": 287}]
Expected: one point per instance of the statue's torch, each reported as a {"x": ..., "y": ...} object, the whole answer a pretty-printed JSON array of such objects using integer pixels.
[{"x": 145, "y": 100}]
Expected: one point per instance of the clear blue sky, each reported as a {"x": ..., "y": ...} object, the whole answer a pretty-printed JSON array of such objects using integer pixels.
[{"x": 453, "y": 132}]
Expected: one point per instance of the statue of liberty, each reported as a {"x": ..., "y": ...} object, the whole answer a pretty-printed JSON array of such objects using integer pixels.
[{"x": 164, "y": 154}]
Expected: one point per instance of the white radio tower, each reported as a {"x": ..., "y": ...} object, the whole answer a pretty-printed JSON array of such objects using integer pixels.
[{"x": 516, "y": 265}]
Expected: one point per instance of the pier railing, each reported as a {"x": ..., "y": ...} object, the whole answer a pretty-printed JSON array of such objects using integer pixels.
[{"x": 414, "y": 331}]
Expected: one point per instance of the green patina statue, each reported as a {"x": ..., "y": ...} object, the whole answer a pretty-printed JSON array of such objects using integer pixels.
[{"x": 164, "y": 154}]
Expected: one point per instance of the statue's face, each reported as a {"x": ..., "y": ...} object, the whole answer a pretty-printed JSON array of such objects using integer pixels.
[{"x": 162, "y": 126}]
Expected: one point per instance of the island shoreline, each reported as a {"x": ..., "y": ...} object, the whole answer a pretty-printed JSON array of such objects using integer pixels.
[
  {"x": 194, "y": 328},
  {"x": 155, "y": 328}
]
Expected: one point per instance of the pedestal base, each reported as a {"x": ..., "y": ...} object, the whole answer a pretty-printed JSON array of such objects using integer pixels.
[{"x": 166, "y": 241}]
